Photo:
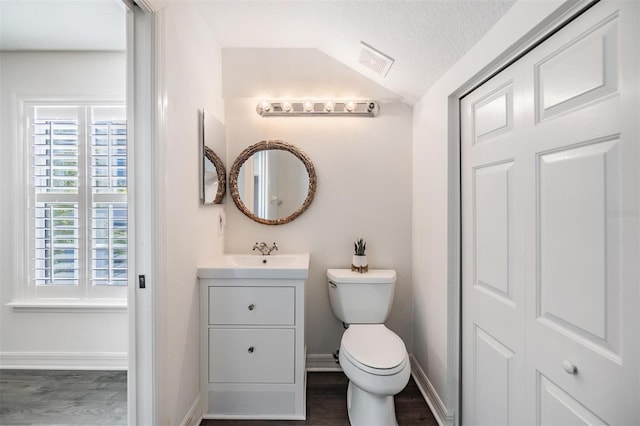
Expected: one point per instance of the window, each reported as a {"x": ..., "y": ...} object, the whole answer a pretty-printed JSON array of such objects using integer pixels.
[{"x": 78, "y": 201}]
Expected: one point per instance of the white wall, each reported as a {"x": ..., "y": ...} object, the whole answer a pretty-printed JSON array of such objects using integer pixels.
[
  {"x": 54, "y": 338},
  {"x": 435, "y": 248},
  {"x": 188, "y": 235},
  {"x": 364, "y": 190}
]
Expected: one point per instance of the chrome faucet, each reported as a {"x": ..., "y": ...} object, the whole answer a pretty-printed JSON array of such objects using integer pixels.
[{"x": 264, "y": 248}]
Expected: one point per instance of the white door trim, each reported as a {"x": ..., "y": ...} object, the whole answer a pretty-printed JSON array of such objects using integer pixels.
[
  {"x": 158, "y": 162},
  {"x": 561, "y": 17},
  {"x": 141, "y": 70}
]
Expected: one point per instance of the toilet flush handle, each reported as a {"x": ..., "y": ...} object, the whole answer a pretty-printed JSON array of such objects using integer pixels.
[{"x": 332, "y": 284}]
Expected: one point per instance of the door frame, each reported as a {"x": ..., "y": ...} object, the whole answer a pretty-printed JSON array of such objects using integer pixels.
[
  {"x": 563, "y": 15},
  {"x": 141, "y": 116}
]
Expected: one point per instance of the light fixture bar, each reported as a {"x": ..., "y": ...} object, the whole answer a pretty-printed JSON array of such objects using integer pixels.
[{"x": 329, "y": 108}]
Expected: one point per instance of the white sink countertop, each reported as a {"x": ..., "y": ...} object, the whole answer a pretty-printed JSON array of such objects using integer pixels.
[{"x": 288, "y": 266}]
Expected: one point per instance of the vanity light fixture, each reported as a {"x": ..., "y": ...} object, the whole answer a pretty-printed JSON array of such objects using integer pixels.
[{"x": 302, "y": 108}]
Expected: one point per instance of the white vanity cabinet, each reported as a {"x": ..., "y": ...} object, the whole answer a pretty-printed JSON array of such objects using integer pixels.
[{"x": 252, "y": 347}]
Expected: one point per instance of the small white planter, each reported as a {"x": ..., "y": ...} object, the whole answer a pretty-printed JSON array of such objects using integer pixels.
[{"x": 359, "y": 263}]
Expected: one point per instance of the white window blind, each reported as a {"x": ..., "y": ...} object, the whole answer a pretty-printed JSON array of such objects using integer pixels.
[{"x": 79, "y": 194}]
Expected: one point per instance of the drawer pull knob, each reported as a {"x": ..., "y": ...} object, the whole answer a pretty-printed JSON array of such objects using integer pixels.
[
  {"x": 252, "y": 307},
  {"x": 251, "y": 349},
  {"x": 569, "y": 367}
]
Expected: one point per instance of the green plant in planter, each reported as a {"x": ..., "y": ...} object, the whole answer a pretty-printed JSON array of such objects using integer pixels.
[{"x": 360, "y": 246}]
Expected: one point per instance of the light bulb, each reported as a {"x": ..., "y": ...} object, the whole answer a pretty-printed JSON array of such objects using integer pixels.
[
  {"x": 286, "y": 106},
  {"x": 328, "y": 106},
  {"x": 265, "y": 106},
  {"x": 308, "y": 106},
  {"x": 350, "y": 106}
]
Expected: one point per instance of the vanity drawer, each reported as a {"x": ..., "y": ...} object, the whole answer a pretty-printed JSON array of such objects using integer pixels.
[
  {"x": 251, "y": 305},
  {"x": 251, "y": 356}
]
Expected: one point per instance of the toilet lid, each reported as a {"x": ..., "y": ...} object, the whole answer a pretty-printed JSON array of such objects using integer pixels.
[
  {"x": 374, "y": 346},
  {"x": 374, "y": 276}
]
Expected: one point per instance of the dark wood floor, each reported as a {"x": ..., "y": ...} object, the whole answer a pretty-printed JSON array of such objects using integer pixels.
[
  {"x": 57, "y": 397},
  {"x": 39, "y": 397},
  {"x": 327, "y": 405}
]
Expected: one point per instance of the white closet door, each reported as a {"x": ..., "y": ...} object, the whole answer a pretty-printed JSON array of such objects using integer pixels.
[
  {"x": 581, "y": 245},
  {"x": 550, "y": 232},
  {"x": 493, "y": 285}
]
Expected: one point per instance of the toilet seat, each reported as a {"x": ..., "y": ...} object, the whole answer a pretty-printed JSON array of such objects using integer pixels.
[{"x": 374, "y": 349}]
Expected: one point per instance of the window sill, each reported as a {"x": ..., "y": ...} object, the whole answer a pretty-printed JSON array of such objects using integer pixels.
[{"x": 68, "y": 306}]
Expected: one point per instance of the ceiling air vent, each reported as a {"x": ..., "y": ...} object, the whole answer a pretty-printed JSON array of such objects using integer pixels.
[{"x": 375, "y": 60}]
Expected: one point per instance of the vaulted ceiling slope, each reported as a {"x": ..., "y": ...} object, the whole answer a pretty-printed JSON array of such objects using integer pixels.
[
  {"x": 424, "y": 37},
  {"x": 294, "y": 73}
]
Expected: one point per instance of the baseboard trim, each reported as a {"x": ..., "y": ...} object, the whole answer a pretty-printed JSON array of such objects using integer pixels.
[
  {"x": 194, "y": 415},
  {"x": 64, "y": 360},
  {"x": 443, "y": 416},
  {"x": 322, "y": 363}
]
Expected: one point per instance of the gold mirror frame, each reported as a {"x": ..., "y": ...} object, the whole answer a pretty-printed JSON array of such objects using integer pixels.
[
  {"x": 220, "y": 170},
  {"x": 264, "y": 146}
]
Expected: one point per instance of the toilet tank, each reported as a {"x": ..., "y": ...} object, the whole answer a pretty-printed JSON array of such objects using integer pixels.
[{"x": 361, "y": 298}]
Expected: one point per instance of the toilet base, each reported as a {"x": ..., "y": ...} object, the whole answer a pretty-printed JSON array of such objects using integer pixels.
[{"x": 367, "y": 409}]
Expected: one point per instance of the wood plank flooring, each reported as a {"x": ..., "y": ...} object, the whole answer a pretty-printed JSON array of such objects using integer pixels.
[
  {"x": 63, "y": 397},
  {"x": 327, "y": 405},
  {"x": 39, "y": 397}
]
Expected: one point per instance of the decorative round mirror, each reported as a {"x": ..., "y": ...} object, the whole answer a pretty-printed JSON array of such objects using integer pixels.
[
  {"x": 272, "y": 182},
  {"x": 214, "y": 178}
]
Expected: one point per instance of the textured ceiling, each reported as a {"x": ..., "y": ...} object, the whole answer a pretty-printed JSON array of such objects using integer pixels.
[{"x": 425, "y": 38}]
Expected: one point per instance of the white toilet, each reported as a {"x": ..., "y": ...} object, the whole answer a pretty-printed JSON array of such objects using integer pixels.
[{"x": 373, "y": 357}]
